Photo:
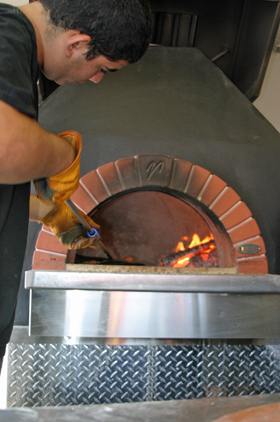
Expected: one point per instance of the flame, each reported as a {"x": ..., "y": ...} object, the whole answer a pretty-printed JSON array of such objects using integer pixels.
[
  {"x": 180, "y": 247},
  {"x": 194, "y": 242}
]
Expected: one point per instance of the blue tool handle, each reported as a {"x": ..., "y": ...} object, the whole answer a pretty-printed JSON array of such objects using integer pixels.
[{"x": 91, "y": 232}]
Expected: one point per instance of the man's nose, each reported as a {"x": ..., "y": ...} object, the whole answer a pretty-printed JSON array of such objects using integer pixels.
[{"x": 97, "y": 78}]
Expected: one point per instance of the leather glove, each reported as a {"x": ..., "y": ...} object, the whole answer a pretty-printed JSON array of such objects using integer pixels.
[
  {"x": 61, "y": 186},
  {"x": 66, "y": 226}
]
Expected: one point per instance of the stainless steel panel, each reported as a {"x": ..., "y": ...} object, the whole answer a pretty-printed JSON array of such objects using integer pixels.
[
  {"x": 155, "y": 279},
  {"x": 78, "y": 313}
]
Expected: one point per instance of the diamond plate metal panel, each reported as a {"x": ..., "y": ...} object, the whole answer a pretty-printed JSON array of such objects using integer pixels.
[{"x": 63, "y": 375}]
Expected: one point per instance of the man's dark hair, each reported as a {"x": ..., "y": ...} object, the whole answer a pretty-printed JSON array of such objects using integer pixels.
[{"x": 119, "y": 29}]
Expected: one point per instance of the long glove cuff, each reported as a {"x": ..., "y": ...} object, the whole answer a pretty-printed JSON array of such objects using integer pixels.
[
  {"x": 62, "y": 185},
  {"x": 75, "y": 139}
]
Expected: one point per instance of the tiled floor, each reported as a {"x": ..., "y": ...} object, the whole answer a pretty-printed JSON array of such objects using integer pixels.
[{"x": 3, "y": 385}]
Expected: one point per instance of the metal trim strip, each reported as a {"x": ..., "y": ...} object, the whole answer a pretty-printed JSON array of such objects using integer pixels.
[{"x": 142, "y": 279}]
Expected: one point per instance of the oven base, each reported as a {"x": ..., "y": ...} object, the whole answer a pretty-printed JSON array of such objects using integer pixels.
[{"x": 43, "y": 373}]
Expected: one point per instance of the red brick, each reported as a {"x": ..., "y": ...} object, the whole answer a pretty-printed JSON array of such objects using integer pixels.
[
  {"x": 126, "y": 167},
  {"x": 47, "y": 241},
  {"x": 93, "y": 184},
  {"x": 213, "y": 189},
  {"x": 198, "y": 177},
  {"x": 253, "y": 266},
  {"x": 46, "y": 228},
  {"x": 83, "y": 200},
  {"x": 154, "y": 169},
  {"x": 109, "y": 174},
  {"x": 236, "y": 215},
  {"x": 181, "y": 171},
  {"x": 244, "y": 231},
  {"x": 48, "y": 261},
  {"x": 225, "y": 202}
]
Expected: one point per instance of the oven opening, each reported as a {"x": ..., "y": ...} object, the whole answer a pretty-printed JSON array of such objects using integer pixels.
[{"x": 158, "y": 228}]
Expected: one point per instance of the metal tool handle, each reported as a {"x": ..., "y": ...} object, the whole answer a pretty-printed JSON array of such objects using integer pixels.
[
  {"x": 77, "y": 213},
  {"x": 91, "y": 232}
]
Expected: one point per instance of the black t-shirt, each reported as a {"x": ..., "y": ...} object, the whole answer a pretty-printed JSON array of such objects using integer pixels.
[{"x": 19, "y": 73}]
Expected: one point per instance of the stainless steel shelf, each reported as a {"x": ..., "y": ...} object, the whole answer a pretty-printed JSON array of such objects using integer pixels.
[{"x": 152, "y": 279}]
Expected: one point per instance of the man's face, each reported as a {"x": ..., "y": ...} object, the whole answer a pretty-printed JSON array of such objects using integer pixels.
[
  {"x": 80, "y": 70},
  {"x": 64, "y": 59},
  {"x": 93, "y": 70}
]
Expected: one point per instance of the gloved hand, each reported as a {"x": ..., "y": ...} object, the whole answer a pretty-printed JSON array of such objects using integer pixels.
[
  {"x": 61, "y": 186},
  {"x": 66, "y": 226}
]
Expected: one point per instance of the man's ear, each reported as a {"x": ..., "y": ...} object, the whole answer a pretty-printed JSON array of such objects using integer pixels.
[{"x": 76, "y": 43}]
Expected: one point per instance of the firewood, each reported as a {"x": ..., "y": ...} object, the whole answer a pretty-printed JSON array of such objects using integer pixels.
[{"x": 170, "y": 260}]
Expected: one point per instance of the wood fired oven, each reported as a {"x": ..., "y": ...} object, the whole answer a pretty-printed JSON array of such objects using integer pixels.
[{"x": 172, "y": 147}]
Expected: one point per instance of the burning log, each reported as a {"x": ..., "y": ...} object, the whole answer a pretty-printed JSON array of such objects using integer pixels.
[
  {"x": 186, "y": 255},
  {"x": 209, "y": 259}
]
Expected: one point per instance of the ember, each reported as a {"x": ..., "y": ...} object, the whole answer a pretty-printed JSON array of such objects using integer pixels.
[{"x": 197, "y": 254}]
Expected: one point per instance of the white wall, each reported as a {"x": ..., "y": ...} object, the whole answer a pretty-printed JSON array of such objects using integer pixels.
[
  {"x": 268, "y": 103},
  {"x": 16, "y": 2}
]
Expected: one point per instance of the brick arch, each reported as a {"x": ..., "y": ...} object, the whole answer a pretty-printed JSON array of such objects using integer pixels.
[{"x": 165, "y": 171}]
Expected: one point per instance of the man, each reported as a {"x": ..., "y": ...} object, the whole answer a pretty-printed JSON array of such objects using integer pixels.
[{"x": 71, "y": 41}]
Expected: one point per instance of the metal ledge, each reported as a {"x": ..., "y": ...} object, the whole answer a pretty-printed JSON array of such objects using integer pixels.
[{"x": 152, "y": 279}]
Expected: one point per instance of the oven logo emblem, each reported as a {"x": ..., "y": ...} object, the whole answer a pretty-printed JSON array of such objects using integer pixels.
[
  {"x": 249, "y": 249},
  {"x": 154, "y": 167}
]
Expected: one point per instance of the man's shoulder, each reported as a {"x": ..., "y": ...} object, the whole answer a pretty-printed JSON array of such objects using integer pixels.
[
  {"x": 17, "y": 35},
  {"x": 12, "y": 19},
  {"x": 6, "y": 7},
  {"x": 18, "y": 61}
]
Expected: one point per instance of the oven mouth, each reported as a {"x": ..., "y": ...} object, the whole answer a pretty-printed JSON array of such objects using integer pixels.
[{"x": 155, "y": 226}]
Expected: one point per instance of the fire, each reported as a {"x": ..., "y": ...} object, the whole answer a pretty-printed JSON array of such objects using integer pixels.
[
  {"x": 198, "y": 253},
  {"x": 194, "y": 242},
  {"x": 180, "y": 247},
  {"x": 185, "y": 261}
]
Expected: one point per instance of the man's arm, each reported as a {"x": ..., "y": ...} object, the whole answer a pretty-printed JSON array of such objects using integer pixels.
[{"x": 27, "y": 151}]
